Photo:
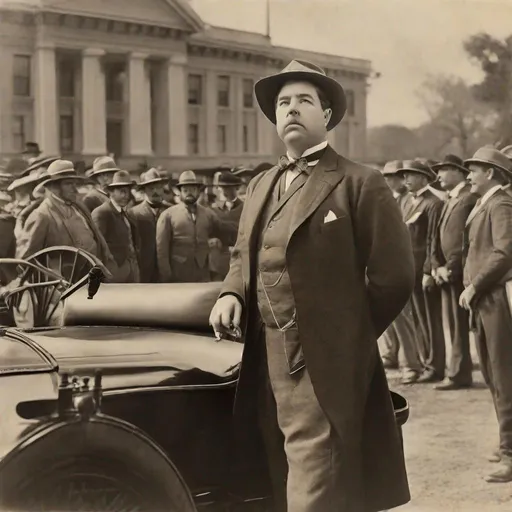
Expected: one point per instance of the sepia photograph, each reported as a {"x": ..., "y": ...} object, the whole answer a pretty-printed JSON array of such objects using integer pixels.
[{"x": 256, "y": 255}]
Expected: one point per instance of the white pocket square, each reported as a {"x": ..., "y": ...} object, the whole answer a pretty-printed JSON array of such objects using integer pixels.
[{"x": 330, "y": 216}]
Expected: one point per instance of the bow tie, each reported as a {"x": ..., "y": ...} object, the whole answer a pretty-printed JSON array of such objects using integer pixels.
[{"x": 301, "y": 164}]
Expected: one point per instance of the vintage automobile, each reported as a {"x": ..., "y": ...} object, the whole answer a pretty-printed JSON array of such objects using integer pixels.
[{"x": 126, "y": 406}]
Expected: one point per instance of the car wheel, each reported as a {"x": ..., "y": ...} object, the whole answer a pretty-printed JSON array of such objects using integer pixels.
[{"x": 99, "y": 465}]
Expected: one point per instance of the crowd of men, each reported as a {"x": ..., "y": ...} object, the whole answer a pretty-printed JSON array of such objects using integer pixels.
[
  {"x": 462, "y": 245},
  {"x": 152, "y": 230}
]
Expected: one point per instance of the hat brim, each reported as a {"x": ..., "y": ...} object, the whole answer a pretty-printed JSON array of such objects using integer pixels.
[
  {"x": 443, "y": 165},
  {"x": 195, "y": 184},
  {"x": 267, "y": 89},
  {"x": 403, "y": 170},
  {"x": 228, "y": 184},
  {"x": 103, "y": 171},
  {"x": 151, "y": 182},
  {"x": 487, "y": 162},
  {"x": 122, "y": 184},
  {"x": 54, "y": 179},
  {"x": 37, "y": 165},
  {"x": 24, "y": 181}
]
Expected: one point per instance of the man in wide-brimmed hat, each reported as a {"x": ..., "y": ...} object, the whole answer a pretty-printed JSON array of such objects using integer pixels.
[
  {"x": 324, "y": 261},
  {"x": 41, "y": 162},
  {"x": 118, "y": 227},
  {"x": 487, "y": 278},
  {"x": 101, "y": 173},
  {"x": 507, "y": 151},
  {"x": 422, "y": 218},
  {"x": 182, "y": 235},
  {"x": 61, "y": 219},
  {"x": 146, "y": 214},
  {"x": 31, "y": 151},
  {"x": 228, "y": 209},
  {"x": 447, "y": 264},
  {"x": 397, "y": 344}
]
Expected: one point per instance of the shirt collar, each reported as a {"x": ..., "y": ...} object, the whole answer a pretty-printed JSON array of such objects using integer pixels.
[
  {"x": 309, "y": 151},
  {"x": 489, "y": 194},
  {"x": 421, "y": 191},
  {"x": 59, "y": 199},
  {"x": 506, "y": 187},
  {"x": 456, "y": 190}
]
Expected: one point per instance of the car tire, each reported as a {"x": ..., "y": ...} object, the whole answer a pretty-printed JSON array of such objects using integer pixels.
[{"x": 99, "y": 464}]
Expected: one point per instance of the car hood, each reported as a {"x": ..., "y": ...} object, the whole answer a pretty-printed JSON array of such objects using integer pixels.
[{"x": 132, "y": 356}]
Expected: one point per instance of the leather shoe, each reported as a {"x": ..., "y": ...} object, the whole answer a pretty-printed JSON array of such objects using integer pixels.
[
  {"x": 409, "y": 378},
  {"x": 495, "y": 457},
  {"x": 450, "y": 385},
  {"x": 503, "y": 474},
  {"x": 428, "y": 376}
]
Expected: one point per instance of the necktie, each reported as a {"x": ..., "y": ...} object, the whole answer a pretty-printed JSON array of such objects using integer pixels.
[{"x": 301, "y": 163}]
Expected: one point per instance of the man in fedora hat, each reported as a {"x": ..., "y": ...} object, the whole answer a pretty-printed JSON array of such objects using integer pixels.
[
  {"x": 487, "y": 281},
  {"x": 507, "y": 151},
  {"x": 314, "y": 274},
  {"x": 397, "y": 344},
  {"x": 447, "y": 268},
  {"x": 101, "y": 173},
  {"x": 31, "y": 152},
  {"x": 146, "y": 215},
  {"x": 182, "y": 235},
  {"x": 118, "y": 227},
  {"x": 229, "y": 209},
  {"x": 422, "y": 218},
  {"x": 61, "y": 219}
]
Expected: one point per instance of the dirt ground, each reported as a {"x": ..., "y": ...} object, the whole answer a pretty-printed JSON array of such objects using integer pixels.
[{"x": 447, "y": 440}]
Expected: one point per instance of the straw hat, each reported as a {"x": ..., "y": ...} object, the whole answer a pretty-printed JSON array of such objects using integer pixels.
[
  {"x": 40, "y": 161},
  {"x": 34, "y": 178},
  {"x": 188, "y": 178}
]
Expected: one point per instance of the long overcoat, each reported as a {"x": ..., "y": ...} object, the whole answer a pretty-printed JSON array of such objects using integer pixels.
[{"x": 350, "y": 278}]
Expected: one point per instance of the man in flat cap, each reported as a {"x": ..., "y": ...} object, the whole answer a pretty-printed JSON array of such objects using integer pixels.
[
  {"x": 487, "y": 293},
  {"x": 314, "y": 274},
  {"x": 447, "y": 268},
  {"x": 422, "y": 219}
]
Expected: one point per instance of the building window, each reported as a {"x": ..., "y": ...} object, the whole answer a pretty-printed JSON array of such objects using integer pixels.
[
  {"x": 18, "y": 133},
  {"x": 195, "y": 89},
  {"x": 248, "y": 87},
  {"x": 193, "y": 139},
  {"x": 21, "y": 75},
  {"x": 114, "y": 80},
  {"x": 66, "y": 134},
  {"x": 223, "y": 91},
  {"x": 351, "y": 102},
  {"x": 222, "y": 143},
  {"x": 245, "y": 135},
  {"x": 67, "y": 78}
]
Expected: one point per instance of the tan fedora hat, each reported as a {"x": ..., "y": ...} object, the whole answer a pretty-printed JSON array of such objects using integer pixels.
[
  {"x": 60, "y": 170},
  {"x": 33, "y": 178},
  {"x": 150, "y": 177},
  {"x": 507, "y": 151},
  {"x": 188, "y": 178},
  {"x": 41, "y": 161},
  {"x": 121, "y": 179},
  {"x": 102, "y": 165},
  {"x": 417, "y": 167},
  {"x": 392, "y": 167},
  {"x": 450, "y": 161},
  {"x": 267, "y": 89},
  {"x": 492, "y": 157}
]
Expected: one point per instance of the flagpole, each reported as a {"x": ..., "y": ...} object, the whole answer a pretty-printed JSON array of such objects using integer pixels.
[{"x": 268, "y": 19}]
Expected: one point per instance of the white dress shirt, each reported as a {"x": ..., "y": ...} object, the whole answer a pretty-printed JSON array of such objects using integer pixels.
[{"x": 291, "y": 174}]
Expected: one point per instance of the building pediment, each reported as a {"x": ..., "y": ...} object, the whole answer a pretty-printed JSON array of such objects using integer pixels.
[{"x": 176, "y": 14}]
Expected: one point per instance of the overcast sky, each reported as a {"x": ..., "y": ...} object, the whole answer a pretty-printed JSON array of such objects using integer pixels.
[{"x": 405, "y": 39}]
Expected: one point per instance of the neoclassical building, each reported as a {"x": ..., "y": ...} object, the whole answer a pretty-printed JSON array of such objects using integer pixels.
[{"x": 147, "y": 79}]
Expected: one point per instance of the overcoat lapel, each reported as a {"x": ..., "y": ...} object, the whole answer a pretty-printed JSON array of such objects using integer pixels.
[
  {"x": 415, "y": 207},
  {"x": 319, "y": 185}
]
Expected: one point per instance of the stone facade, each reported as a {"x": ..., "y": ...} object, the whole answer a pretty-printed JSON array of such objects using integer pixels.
[{"x": 148, "y": 81}]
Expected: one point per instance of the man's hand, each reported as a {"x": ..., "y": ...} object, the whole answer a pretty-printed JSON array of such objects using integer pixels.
[
  {"x": 226, "y": 315},
  {"x": 466, "y": 297},
  {"x": 428, "y": 282},
  {"x": 443, "y": 275}
]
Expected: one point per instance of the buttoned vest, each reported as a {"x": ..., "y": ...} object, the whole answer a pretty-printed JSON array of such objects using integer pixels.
[{"x": 274, "y": 292}]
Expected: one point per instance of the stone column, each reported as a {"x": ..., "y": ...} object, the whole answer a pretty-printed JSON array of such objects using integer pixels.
[
  {"x": 139, "y": 110},
  {"x": 178, "y": 105},
  {"x": 265, "y": 134},
  {"x": 45, "y": 105},
  {"x": 239, "y": 115},
  {"x": 211, "y": 112},
  {"x": 94, "y": 122}
]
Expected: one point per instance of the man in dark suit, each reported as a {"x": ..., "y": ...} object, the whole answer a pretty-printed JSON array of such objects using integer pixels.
[
  {"x": 487, "y": 280},
  {"x": 146, "y": 215},
  {"x": 228, "y": 209},
  {"x": 422, "y": 219},
  {"x": 447, "y": 269},
  {"x": 398, "y": 345},
  {"x": 507, "y": 151},
  {"x": 118, "y": 228},
  {"x": 102, "y": 173},
  {"x": 314, "y": 272}
]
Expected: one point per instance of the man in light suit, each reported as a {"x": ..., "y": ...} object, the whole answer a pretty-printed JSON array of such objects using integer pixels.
[
  {"x": 422, "y": 219},
  {"x": 314, "y": 273},
  {"x": 447, "y": 269},
  {"x": 487, "y": 270}
]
